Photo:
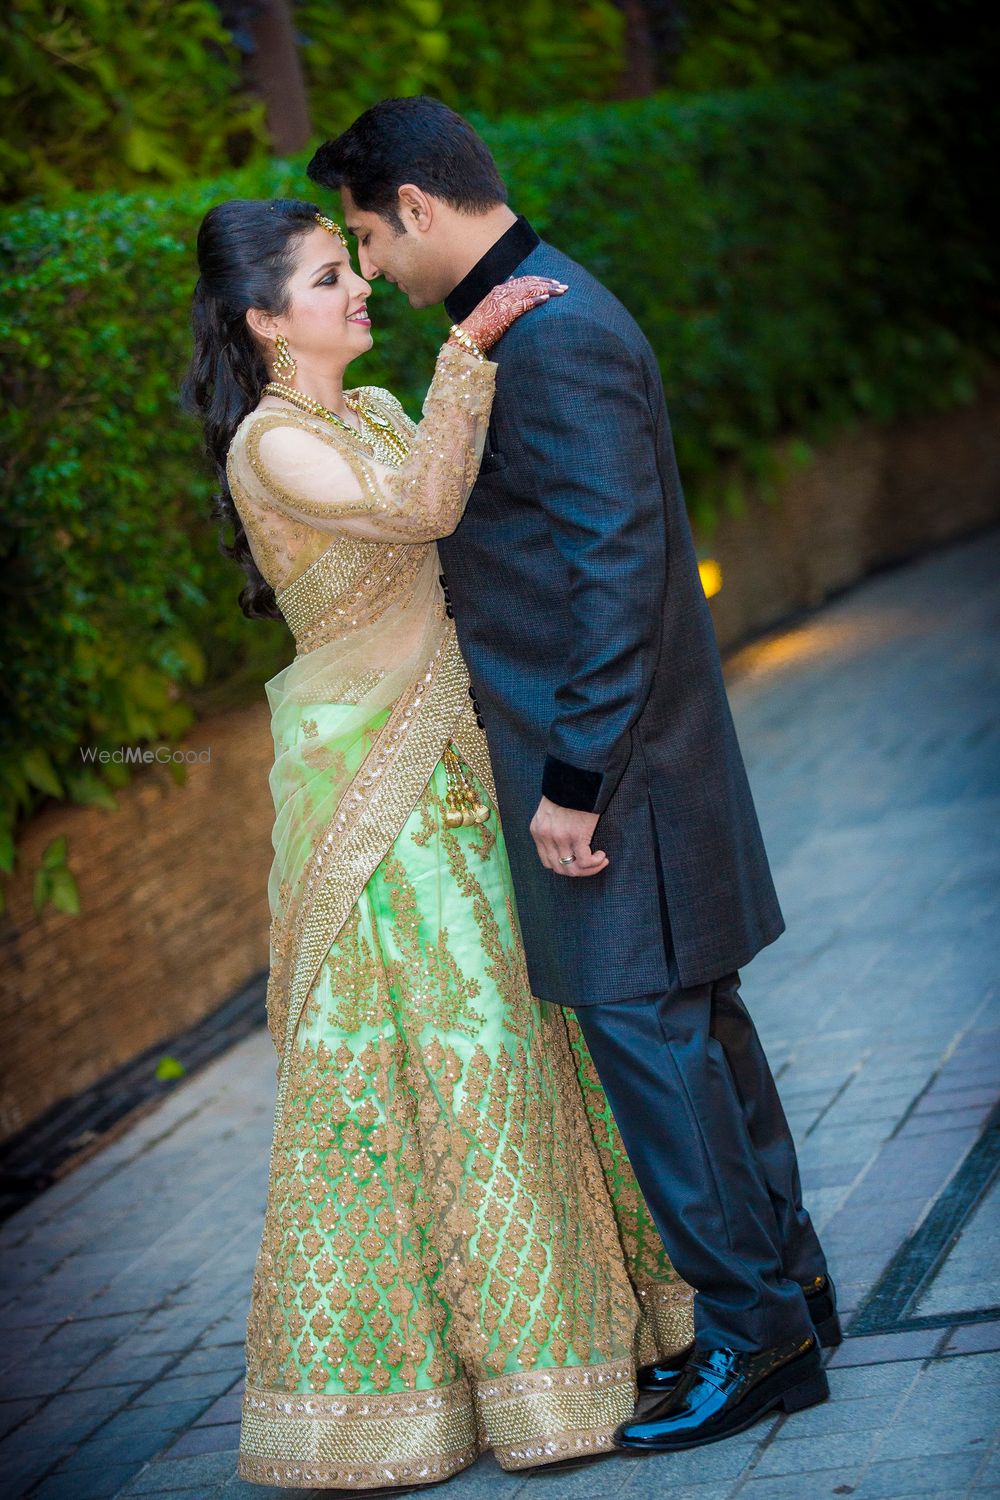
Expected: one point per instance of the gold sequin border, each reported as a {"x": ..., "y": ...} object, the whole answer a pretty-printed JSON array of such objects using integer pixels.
[
  {"x": 357, "y": 1442},
  {"x": 349, "y": 586},
  {"x": 528, "y": 1418},
  {"x": 669, "y": 1306},
  {"x": 541, "y": 1416}
]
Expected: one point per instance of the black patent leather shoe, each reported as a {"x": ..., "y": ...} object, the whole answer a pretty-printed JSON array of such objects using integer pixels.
[
  {"x": 724, "y": 1391},
  {"x": 662, "y": 1376},
  {"x": 821, "y": 1300}
]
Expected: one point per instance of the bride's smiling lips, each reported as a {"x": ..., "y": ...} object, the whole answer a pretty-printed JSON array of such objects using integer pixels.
[{"x": 360, "y": 316}]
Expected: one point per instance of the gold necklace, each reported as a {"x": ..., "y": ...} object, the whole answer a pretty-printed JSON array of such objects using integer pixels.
[{"x": 383, "y": 427}]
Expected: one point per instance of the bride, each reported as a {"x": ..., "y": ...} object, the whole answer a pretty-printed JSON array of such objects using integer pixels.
[{"x": 455, "y": 1254}]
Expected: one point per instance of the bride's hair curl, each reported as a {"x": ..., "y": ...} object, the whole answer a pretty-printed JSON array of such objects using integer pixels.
[{"x": 246, "y": 255}]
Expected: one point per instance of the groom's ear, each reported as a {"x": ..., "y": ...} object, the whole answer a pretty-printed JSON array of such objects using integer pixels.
[{"x": 416, "y": 209}]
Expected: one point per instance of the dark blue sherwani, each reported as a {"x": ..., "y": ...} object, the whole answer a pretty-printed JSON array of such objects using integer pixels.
[{"x": 580, "y": 611}]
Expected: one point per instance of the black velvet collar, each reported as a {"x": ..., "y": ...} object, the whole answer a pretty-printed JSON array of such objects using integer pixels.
[{"x": 499, "y": 262}]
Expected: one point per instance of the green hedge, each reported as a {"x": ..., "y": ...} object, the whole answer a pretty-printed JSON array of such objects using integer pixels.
[
  {"x": 801, "y": 255},
  {"x": 130, "y": 94},
  {"x": 99, "y": 93}
]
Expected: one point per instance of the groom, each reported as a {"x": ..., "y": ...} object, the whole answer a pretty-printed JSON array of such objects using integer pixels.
[{"x": 641, "y": 877}]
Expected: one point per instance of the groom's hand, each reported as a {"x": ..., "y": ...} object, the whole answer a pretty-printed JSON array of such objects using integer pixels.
[{"x": 561, "y": 831}]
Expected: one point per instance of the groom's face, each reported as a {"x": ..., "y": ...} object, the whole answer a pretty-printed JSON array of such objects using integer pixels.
[{"x": 401, "y": 256}]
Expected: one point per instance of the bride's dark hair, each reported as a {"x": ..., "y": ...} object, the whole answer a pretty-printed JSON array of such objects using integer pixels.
[{"x": 246, "y": 255}]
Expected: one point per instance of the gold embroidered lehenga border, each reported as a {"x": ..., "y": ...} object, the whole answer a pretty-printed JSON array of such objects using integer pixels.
[{"x": 418, "y": 1437}]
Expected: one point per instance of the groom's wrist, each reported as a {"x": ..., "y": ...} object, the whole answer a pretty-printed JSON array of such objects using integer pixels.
[{"x": 570, "y": 786}]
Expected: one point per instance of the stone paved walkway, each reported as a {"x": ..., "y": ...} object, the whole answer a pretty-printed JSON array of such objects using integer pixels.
[{"x": 871, "y": 733}]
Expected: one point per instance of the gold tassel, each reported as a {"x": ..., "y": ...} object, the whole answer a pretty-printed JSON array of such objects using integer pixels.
[{"x": 462, "y": 805}]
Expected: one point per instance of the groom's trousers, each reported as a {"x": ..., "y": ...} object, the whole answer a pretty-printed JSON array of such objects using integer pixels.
[{"x": 698, "y": 1110}]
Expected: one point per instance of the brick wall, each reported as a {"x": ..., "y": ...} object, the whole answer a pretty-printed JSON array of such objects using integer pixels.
[
  {"x": 173, "y": 918},
  {"x": 869, "y": 498}
]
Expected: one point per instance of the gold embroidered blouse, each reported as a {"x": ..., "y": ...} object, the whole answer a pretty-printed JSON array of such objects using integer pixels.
[{"x": 296, "y": 479}]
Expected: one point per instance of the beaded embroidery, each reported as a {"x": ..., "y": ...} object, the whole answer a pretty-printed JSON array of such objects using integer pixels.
[{"x": 418, "y": 1273}]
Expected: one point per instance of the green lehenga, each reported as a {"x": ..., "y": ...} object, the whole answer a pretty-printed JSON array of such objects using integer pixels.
[{"x": 455, "y": 1252}]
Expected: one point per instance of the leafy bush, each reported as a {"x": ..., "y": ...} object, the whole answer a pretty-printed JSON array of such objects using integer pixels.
[
  {"x": 484, "y": 55},
  {"x": 800, "y": 255},
  {"x": 99, "y": 95},
  {"x": 726, "y": 43}
]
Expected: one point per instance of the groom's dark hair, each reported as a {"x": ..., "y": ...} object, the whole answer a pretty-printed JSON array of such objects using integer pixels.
[{"x": 416, "y": 140}]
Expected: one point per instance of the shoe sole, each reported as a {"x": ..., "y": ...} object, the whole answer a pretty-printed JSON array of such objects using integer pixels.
[{"x": 809, "y": 1392}]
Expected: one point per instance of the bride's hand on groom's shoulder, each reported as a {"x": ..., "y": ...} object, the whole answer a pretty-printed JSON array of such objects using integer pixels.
[
  {"x": 502, "y": 306},
  {"x": 562, "y": 838}
]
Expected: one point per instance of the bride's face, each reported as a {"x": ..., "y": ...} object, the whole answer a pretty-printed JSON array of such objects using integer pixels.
[{"x": 327, "y": 318}]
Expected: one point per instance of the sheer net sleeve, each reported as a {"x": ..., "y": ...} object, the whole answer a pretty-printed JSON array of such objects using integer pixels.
[{"x": 322, "y": 478}]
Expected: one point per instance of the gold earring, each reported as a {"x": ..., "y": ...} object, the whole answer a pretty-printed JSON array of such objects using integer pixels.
[{"x": 284, "y": 364}]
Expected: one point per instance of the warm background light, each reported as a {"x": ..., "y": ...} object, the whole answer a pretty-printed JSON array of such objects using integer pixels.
[{"x": 711, "y": 576}]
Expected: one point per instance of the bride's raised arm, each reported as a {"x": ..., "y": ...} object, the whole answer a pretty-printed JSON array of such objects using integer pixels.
[
  {"x": 326, "y": 481},
  {"x": 323, "y": 479}
]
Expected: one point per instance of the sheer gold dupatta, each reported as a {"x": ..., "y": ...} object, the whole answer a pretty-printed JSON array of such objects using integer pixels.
[
  {"x": 345, "y": 776},
  {"x": 362, "y": 714}
]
